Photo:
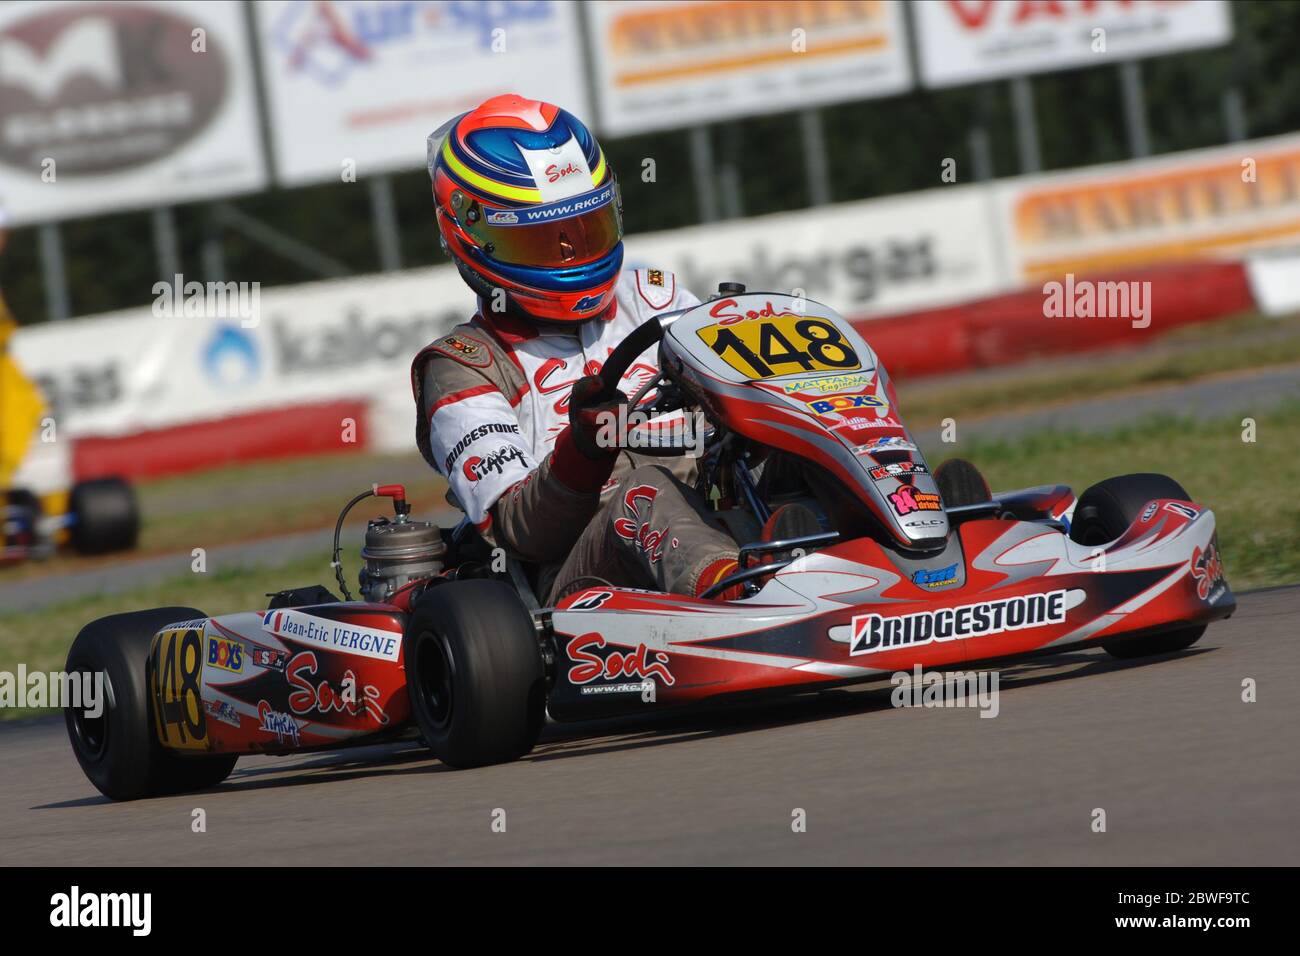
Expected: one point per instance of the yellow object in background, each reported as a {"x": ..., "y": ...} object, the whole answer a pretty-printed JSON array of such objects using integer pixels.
[{"x": 21, "y": 405}]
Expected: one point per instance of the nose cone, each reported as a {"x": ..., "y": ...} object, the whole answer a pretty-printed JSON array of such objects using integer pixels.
[{"x": 911, "y": 502}]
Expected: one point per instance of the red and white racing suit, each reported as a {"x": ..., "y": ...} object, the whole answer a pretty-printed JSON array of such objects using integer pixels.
[{"x": 493, "y": 419}]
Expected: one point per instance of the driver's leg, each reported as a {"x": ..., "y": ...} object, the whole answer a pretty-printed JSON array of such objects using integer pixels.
[{"x": 654, "y": 532}]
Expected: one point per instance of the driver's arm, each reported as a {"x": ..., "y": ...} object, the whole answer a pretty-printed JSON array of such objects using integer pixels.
[{"x": 535, "y": 510}]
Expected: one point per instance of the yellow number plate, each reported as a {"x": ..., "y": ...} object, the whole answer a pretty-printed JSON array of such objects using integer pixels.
[
  {"x": 781, "y": 345},
  {"x": 175, "y": 679}
]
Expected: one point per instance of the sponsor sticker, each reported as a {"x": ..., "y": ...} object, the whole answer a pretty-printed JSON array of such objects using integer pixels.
[
  {"x": 899, "y": 469},
  {"x": 284, "y": 726},
  {"x": 879, "y": 632},
  {"x": 907, "y": 500},
  {"x": 565, "y": 209},
  {"x": 887, "y": 443},
  {"x": 270, "y": 659},
  {"x": 225, "y": 655},
  {"x": 460, "y": 345},
  {"x": 478, "y": 467},
  {"x": 1207, "y": 571},
  {"x": 845, "y": 403},
  {"x": 473, "y": 435},
  {"x": 935, "y": 577},
  {"x": 342, "y": 637},
  {"x": 826, "y": 384},
  {"x": 588, "y": 665},
  {"x": 590, "y": 601},
  {"x": 223, "y": 711}
]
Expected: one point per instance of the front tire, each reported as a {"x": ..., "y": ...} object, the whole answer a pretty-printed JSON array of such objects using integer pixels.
[
  {"x": 119, "y": 750},
  {"x": 1104, "y": 512},
  {"x": 474, "y": 673}
]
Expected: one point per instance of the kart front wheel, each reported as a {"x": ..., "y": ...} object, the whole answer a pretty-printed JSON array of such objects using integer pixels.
[
  {"x": 474, "y": 673},
  {"x": 118, "y": 749},
  {"x": 1104, "y": 512}
]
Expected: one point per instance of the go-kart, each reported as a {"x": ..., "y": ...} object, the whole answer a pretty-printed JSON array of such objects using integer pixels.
[
  {"x": 97, "y": 516},
  {"x": 911, "y": 567}
]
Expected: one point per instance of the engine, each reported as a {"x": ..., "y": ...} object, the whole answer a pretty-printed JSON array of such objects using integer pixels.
[{"x": 397, "y": 552}]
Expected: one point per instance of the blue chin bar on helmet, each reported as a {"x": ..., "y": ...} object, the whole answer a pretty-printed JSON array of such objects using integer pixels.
[{"x": 557, "y": 279}]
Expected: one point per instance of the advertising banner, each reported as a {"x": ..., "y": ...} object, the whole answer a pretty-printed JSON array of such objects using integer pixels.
[
  {"x": 346, "y": 338},
  {"x": 969, "y": 41},
  {"x": 862, "y": 258},
  {"x": 1203, "y": 204},
  {"x": 356, "y": 86},
  {"x": 660, "y": 65},
  {"x": 119, "y": 105}
]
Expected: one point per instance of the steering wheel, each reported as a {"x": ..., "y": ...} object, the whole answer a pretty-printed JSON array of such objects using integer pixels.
[
  {"x": 620, "y": 360},
  {"x": 626, "y": 352}
]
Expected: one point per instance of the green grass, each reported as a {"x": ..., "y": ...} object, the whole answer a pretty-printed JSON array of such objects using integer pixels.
[{"x": 1247, "y": 485}]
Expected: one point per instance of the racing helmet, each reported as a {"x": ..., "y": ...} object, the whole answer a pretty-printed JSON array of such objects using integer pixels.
[{"x": 526, "y": 203}]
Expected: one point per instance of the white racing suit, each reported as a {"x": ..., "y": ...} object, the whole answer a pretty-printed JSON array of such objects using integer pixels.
[{"x": 492, "y": 418}]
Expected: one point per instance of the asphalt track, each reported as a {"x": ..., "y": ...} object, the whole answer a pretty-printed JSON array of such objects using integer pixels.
[{"x": 1187, "y": 773}]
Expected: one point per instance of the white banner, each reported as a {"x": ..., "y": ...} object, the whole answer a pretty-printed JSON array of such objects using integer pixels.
[
  {"x": 968, "y": 41},
  {"x": 667, "y": 64},
  {"x": 863, "y": 258},
  {"x": 354, "y": 87},
  {"x": 121, "y": 105},
  {"x": 133, "y": 371}
]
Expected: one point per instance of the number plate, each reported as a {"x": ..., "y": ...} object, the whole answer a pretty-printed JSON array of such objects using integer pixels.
[
  {"x": 175, "y": 672},
  {"x": 781, "y": 345}
]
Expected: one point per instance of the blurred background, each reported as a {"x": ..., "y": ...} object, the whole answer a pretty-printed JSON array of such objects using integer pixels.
[{"x": 923, "y": 167}]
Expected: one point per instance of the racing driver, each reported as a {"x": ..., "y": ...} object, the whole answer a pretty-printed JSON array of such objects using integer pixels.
[{"x": 509, "y": 406}]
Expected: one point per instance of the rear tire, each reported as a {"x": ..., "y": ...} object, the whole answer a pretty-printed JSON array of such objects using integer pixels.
[
  {"x": 119, "y": 751},
  {"x": 474, "y": 673},
  {"x": 1104, "y": 512},
  {"x": 106, "y": 517}
]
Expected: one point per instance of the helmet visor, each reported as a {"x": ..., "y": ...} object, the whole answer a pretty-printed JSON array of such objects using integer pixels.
[{"x": 564, "y": 233}]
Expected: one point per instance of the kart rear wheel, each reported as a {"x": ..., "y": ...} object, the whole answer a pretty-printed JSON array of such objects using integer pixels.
[
  {"x": 1104, "y": 512},
  {"x": 119, "y": 750},
  {"x": 474, "y": 673},
  {"x": 105, "y": 516}
]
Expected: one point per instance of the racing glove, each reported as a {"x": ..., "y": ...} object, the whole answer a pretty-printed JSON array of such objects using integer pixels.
[{"x": 585, "y": 452}]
